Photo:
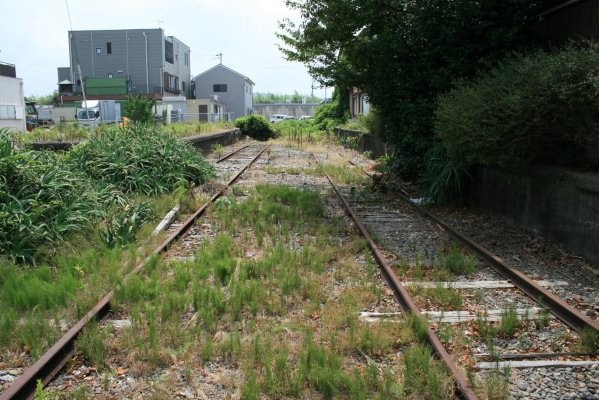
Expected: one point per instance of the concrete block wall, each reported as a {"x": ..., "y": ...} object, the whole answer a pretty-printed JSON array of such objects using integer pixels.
[
  {"x": 561, "y": 205},
  {"x": 296, "y": 110}
]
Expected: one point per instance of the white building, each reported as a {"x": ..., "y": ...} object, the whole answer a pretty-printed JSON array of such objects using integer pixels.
[{"x": 12, "y": 100}]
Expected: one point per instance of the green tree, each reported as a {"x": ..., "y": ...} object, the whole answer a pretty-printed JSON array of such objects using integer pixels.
[
  {"x": 403, "y": 53},
  {"x": 49, "y": 99},
  {"x": 138, "y": 108}
]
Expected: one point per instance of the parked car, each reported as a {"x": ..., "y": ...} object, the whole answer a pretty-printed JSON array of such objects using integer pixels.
[
  {"x": 277, "y": 118},
  {"x": 288, "y": 117},
  {"x": 305, "y": 117}
]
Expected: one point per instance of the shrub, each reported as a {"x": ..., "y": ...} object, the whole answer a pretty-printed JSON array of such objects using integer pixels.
[
  {"x": 140, "y": 158},
  {"x": 255, "y": 126},
  {"x": 538, "y": 108},
  {"x": 329, "y": 115},
  {"x": 41, "y": 201},
  {"x": 139, "y": 108}
]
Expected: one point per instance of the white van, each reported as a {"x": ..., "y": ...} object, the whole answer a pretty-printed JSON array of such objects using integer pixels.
[{"x": 277, "y": 118}]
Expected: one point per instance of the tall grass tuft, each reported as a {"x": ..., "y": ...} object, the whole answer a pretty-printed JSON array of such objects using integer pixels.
[
  {"x": 41, "y": 201},
  {"x": 140, "y": 158},
  {"x": 425, "y": 378}
]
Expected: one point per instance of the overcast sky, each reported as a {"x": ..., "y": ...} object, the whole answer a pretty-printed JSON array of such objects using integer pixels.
[{"x": 34, "y": 36}]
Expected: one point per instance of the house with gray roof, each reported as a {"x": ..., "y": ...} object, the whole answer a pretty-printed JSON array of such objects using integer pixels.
[{"x": 227, "y": 86}]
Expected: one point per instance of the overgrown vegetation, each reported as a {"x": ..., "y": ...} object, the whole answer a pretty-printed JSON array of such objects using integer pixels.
[
  {"x": 255, "y": 126},
  {"x": 140, "y": 158},
  {"x": 258, "y": 295},
  {"x": 47, "y": 197},
  {"x": 403, "y": 55},
  {"x": 41, "y": 201},
  {"x": 138, "y": 108},
  {"x": 332, "y": 114},
  {"x": 536, "y": 108},
  {"x": 184, "y": 129}
]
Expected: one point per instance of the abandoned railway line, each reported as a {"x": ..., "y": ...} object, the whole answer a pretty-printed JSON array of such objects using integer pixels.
[{"x": 269, "y": 289}]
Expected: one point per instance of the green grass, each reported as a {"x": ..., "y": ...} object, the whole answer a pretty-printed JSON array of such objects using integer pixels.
[
  {"x": 589, "y": 340},
  {"x": 454, "y": 260},
  {"x": 341, "y": 174},
  {"x": 91, "y": 344},
  {"x": 185, "y": 129},
  {"x": 140, "y": 159},
  {"x": 424, "y": 377},
  {"x": 509, "y": 323},
  {"x": 56, "y": 133}
]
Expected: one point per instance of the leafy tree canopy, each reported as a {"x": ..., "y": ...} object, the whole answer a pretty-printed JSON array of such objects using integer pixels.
[{"x": 403, "y": 53}]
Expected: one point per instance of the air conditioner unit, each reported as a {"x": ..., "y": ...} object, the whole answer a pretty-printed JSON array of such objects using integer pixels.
[{"x": 215, "y": 97}]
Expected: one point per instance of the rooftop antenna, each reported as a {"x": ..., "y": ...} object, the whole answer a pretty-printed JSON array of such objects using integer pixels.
[
  {"x": 76, "y": 55},
  {"x": 220, "y": 57},
  {"x": 160, "y": 22}
]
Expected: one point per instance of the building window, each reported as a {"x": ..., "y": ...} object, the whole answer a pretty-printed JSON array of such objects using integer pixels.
[
  {"x": 108, "y": 47},
  {"x": 8, "y": 112},
  {"x": 183, "y": 86},
  {"x": 219, "y": 88},
  {"x": 186, "y": 57},
  {"x": 98, "y": 50},
  {"x": 168, "y": 52}
]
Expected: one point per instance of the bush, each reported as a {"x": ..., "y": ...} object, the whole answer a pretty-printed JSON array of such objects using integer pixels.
[
  {"x": 255, "y": 126},
  {"x": 140, "y": 158},
  {"x": 538, "y": 108},
  {"x": 41, "y": 201},
  {"x": 331, "y": 114},
  {"x": 138, "y": 108}
]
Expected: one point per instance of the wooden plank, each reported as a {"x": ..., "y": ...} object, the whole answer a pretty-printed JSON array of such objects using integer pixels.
[
  {"x": 478, "y": 284},
  {"x": 454, "y": 317},
  {"x": 533, "y": 364},
  {"x": 167, "y": 220}
]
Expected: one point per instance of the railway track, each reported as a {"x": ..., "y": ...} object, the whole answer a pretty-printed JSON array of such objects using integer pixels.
[
  {"x": 58, "y": 355},
  {"x": 463, "y": 298},
  {"x": 505, "y": 317}
]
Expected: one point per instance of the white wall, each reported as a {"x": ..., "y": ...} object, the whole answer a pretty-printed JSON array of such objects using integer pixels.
[{"x": 11, "y": 96}]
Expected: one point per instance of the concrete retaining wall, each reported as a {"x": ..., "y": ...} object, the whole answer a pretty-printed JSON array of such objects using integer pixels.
[
  {"x": 559, "y": 204},
  {"x": 203, "y": 143},
  {"x": 363, "y": 142},
  {"x": 296, "y": 110}
]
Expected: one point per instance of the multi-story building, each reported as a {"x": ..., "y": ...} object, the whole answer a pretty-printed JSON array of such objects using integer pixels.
[
  {"x": 226, "y": 86},
  {"x": 113, "y": 63},
  {"x": 12, "y": 102}
]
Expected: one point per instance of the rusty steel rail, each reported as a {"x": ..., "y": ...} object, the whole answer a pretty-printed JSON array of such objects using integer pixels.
[
  {"x": 223, "y": 158},
  {"x": 406, "y": 302},
  {"x": 53, "y": 360},
  {"x": 562, "y": 310}
]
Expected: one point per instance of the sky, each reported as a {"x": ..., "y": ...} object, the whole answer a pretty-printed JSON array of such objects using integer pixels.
[{"x": 34, "y": 37}]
